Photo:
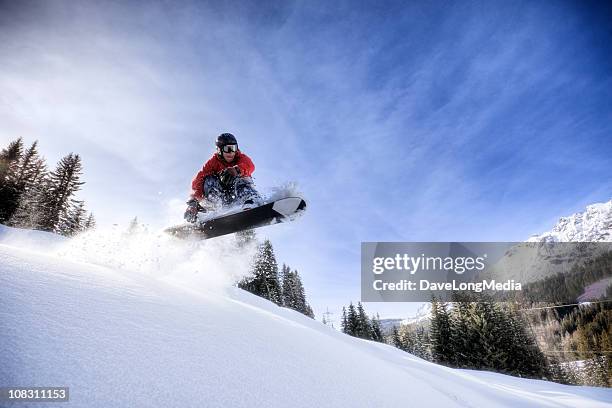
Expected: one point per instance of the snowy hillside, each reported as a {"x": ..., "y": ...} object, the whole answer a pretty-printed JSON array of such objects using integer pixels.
[
  {"x": 592, "y": 225},
  {"x": 139, "y": 321}
]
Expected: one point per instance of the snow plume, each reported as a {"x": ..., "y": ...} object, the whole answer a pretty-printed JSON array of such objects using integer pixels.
[
  {"x": 289, "y": 189},
  {"x": 196, "y": 264}
]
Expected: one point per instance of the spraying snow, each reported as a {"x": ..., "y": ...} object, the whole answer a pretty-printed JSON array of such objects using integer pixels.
[
  {"x": 214, "y": 264},
  {"x": 289, "y": 189}
]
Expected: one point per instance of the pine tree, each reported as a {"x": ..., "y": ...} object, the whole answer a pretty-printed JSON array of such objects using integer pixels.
[
  {"x": 74, "y": 221},
  {"x": 9, "y": 171},
  {"x": 484, "y": 325},
  {"x": 356, "y": 323},
  {"x": 29, "y": 212},
  {"x": 264, "y": 281},
  {"x": 489, "y": 335},
  {"x": 421, "y": 347},
  {"x": 300, "y": 293},
  {"x": 57, "y": 192},
  {"x": 287, "y": 287},
  {"x": 462, "y": 338},
  {"x": 90, "y": 223},
  {"x": 363, "y": 328},
  {"x": 293, "y": 294},
  {"x": 31, "y": 168},
  {"x": 9, "y": 159},
  {"x": 28, "y": 173},
  {"x": 32, "y": 198},
  {"x": 440, "y": 333},
  {"x": 376, "y": 330},
  {"x": 522, "y": 355},
  {"x": 396, "y": 340},
  {"x": 351, "y": 320},
  {"x": 30, "y": 181},
  {"x": 134, "y": 226},
  {"x": 309, "y": 312},
  {"x": 408, "y": 339},
  {"x": 344, "y": 322}
]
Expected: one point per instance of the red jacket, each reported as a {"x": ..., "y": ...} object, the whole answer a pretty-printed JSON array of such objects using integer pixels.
[{"x": 214, "y": 165}]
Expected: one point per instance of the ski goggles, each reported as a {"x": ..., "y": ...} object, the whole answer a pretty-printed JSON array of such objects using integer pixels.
[{"x": 229, "y": 148}]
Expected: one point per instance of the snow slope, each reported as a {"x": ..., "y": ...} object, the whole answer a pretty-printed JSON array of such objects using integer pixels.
[{"x": 149, "y": 334}]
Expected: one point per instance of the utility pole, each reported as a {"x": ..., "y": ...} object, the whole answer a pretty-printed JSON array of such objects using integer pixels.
[{"x": 327, "y": 320}]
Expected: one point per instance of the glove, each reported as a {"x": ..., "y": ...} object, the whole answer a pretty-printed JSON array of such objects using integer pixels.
[
  {"x": 227, "y": 175},
  {"x": 191, "y": 213},
  {"x": 234, "y": 171}
]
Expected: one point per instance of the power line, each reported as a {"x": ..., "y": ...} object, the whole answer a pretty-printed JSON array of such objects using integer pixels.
[
  {"x": 577, "y": 352},
  {"x": 569, "y": 304}
]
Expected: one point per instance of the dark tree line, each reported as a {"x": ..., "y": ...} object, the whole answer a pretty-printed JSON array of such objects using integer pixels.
[
  {"x": 484, "y": 335},
  {"x": 567, "y": 287},
  {"x": 481, "y": 335},
  {"x": 356, "y": 323},
  {"x": 562, "y": 342},
  {"x": 293, "y": 293},
  {"x": 476, "y": 333},
  {"x": 284, "y": 289},
  {"x": 578, "y": 337},
  {"x": 33, "y": 197}
]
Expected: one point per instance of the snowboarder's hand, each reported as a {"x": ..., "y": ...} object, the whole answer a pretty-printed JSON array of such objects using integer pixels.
[
  {"x": 191, "y": 213},
  {"x": 234, "y": 171},
  {"x": 227, "y": 175}
]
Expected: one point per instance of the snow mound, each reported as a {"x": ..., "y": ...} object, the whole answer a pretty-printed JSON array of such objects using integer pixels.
[
  {"x": 116, "y": 320},
  {"x": 38, "y": 240}
]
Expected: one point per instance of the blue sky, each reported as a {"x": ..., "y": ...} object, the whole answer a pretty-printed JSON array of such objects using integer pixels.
[{"x": 400, "y": 121}]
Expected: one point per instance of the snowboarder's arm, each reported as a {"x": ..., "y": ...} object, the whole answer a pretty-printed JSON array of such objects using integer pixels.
[{"x": 198, "y": 181}]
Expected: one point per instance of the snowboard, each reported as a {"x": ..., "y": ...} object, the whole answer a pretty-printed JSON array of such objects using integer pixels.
[{"x": 277, "y": 211}]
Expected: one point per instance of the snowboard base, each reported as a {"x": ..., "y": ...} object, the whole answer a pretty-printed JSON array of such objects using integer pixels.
[{"x": 282, "y": 210}]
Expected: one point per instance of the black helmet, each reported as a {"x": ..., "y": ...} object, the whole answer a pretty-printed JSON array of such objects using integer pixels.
[{"x": 226, "y": 139}]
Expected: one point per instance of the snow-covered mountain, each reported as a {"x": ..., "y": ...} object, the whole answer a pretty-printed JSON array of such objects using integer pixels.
[
  {"x": 546, "y": 254},
  {"x": 145, "y": 322},
  {"x": 592, "y": 225},
  {"x": 387, "y": 325},
  {"x": 422, "y": 315}
]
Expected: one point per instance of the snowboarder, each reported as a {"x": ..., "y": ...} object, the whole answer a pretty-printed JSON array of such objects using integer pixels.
[{"x": 224, "y": 180}]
